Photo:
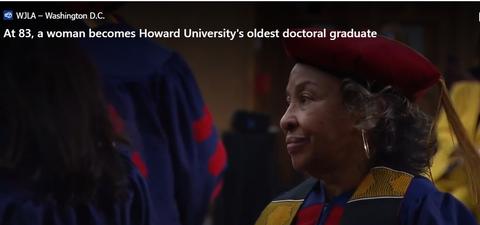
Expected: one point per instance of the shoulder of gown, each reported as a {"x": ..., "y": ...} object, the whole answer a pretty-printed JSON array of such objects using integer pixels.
[
  {"x": 425, "y": 205},
  {"x": 20, "y": 206}
]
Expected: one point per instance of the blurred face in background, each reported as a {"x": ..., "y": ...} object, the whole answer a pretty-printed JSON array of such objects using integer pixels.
[{"x": 320, "y": 133}]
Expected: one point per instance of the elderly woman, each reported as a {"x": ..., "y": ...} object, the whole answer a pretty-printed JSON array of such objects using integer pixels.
[{"x": 352, "y": 125}]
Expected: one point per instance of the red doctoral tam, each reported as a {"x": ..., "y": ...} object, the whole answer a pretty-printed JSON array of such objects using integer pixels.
[{"x": 379, "y": 59}]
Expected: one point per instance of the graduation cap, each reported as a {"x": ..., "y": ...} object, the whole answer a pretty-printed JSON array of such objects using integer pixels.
[
  {"x": 380, "y": 59},
  {"x": 388, "y": 62}
]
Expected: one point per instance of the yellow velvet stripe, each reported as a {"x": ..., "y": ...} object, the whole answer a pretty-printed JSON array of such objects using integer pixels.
[
  {"x": 383, "y": 182},
  {"x": 279, "y": 212}
]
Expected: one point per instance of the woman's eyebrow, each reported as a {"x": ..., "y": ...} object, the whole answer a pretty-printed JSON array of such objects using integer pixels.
[{"x": 301, "y": 86}]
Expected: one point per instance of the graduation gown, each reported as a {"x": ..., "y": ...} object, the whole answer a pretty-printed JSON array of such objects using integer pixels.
[
  {"x": 385, "y": 196},
  {"x": 20, "y": 205},
  {"x": 154, "y": 101}
]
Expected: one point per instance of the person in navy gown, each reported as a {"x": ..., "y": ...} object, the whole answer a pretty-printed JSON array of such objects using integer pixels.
[
  {"x": 154, "y": 100},
  {"x": 61, "y": 163}
]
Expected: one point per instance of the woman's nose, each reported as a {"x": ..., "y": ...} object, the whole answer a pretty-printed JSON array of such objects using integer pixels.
[{"x": 288, "y": 122}]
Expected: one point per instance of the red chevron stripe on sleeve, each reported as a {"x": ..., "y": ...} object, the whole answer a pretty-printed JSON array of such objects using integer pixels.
[
  {"x": 202, "y": 128},
  {"x": 115, "y": 119},
  {"x": 138, "y": 161},
  {"x": 218, "y": 161},
  {"x": 216, "y": 191}
]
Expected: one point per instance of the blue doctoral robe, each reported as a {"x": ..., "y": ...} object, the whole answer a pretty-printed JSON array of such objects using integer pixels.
[
  {"x": 422, "y": 204},
  {"x": 20, "y": 205},
  {"x": 154, "y": 101}
]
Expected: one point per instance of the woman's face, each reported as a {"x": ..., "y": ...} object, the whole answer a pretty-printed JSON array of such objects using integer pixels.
[{"x": 320, "y": 133}]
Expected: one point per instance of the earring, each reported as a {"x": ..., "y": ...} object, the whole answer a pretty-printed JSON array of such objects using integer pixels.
[{"x": 365, "y": 144}]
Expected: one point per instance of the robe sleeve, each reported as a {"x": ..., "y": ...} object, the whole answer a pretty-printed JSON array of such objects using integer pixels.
[
  {"x": 424, "y": 205},
  {"x": 198, "y": 154},
  {"x": 176, "y": 144}
]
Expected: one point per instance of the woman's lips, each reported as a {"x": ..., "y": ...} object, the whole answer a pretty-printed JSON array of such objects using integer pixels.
[{"x": 295, "y": 144}]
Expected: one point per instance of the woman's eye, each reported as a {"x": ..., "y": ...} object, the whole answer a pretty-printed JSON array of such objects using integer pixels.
[{"x": 305, "y": 98}]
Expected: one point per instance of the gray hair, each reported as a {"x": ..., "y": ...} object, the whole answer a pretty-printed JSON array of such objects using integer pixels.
[{"x": 398, "y": 131}]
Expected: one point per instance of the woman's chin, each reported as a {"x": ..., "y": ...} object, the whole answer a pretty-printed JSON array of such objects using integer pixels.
[{"x": 298, "y": 164}]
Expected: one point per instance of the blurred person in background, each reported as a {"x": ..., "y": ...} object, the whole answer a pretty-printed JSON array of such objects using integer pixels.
[
  {"x": 60, "y": 159},
  {"x": 153, "y": 99},
  {"x": 353, "y": 126}
]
